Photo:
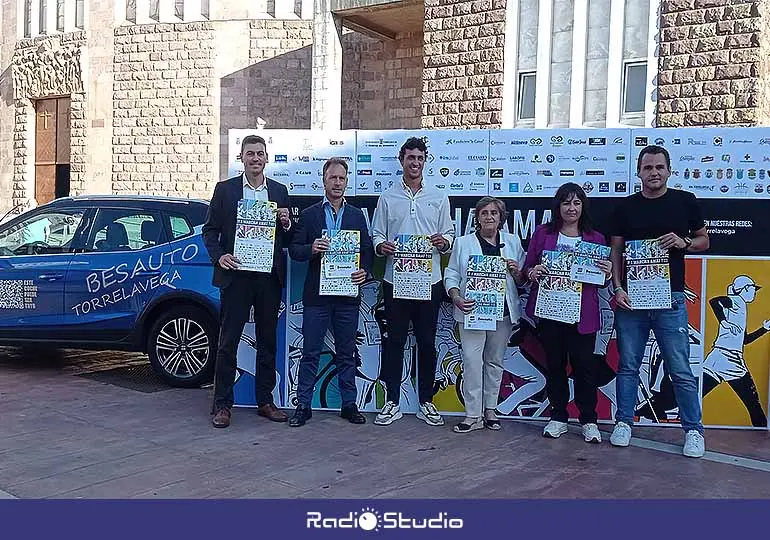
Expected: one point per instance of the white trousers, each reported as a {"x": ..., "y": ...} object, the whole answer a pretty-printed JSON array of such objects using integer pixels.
[{"x": 483, "y": 352}]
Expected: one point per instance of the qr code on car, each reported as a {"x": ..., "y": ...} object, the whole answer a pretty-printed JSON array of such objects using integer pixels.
[{"x": 17, "y": 294}]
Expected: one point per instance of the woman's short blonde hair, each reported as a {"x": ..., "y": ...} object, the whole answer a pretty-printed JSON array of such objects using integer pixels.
[{"x": 486, "y": 201}]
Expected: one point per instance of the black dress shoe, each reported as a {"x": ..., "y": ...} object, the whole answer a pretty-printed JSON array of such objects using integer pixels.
[
  {"x": 352, "y": 415},
  {"x": 301, "y": 415}
]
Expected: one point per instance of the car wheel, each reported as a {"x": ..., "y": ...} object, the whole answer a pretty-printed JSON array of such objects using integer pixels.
[{"x": 182, "y": 346}]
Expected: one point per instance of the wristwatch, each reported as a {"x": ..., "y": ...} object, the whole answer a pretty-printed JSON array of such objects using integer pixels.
[{"x": 687, "y": 242}]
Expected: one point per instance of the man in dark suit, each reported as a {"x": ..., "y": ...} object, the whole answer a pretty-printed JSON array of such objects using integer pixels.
[
  {"x": 241, "y": 290},
  {"x": 321, "y": 311}
]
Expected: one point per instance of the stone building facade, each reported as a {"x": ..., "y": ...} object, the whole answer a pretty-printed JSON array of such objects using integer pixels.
[{"x": 146, "y": 90}]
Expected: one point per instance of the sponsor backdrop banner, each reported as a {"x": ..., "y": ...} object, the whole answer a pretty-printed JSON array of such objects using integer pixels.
[{"x": 604, "y": 163}]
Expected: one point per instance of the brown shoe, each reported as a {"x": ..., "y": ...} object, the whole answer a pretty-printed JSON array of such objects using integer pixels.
[
  {"x": 222, "y": 418},
  {"x": 271, "y": 412}
]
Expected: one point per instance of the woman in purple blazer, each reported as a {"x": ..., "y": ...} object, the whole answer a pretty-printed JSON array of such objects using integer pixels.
[{"x": 573, "y": 343}]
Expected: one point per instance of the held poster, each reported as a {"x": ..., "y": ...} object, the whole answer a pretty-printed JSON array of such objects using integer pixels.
[
  {"x": 412, "y": 267},
  {"x": 648, "y": 275},
  {"x": 339, "y": 262},
  {"x": 255, "y": 234},
  {"x": 584, "y": 267},
  {"x": 558, "y": 295},
  {"x": 486, "y": 287}
]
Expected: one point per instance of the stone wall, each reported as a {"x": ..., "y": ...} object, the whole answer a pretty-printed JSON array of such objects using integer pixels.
[
  {"x": 463, "y": 70},
  {"x": 709, "y": 54},
  {"x": 381, "y": 82},
  {"x": 163, "y": 110}
]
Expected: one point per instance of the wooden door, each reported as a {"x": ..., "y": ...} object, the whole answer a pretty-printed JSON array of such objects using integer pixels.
[{"x": 52, "y": 146}]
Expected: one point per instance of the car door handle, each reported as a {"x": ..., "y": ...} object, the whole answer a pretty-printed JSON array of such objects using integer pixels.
[
  {"x": 148, "y": 273},
  {"x": 50, "y": 277}
]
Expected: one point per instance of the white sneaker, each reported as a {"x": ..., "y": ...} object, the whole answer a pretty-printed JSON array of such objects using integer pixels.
[
  {"x": 694, "y": 444},
  {"x": 389, "y": 414},
  {"x": 554, "y": 429},
  {"x": 429, "y": 414},
  {"x": 621, "y": 435},
  {"x": 591, "y": 433}
]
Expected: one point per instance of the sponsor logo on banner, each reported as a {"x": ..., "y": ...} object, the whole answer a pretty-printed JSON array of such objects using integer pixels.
[
  {"x": 518, "y": 142},
  {"x": 449, "y": 158},
  {"x": 637, "y": 187},
  {"x": 707, "y": 159},
  {"x": 717, "y": 141},
  {"x": 513, "y": 187},
  {"x": 574, "y": 142},
  {"x": 384, "y": 173},
  {"x": 594, "y": 172},
  {"x": 281, "y": 174},
  {"x": 495, "y": 173},
  {"x": 620, "y": 187},
  {"x": 620, "y": 157},
  {"x": 481, "y": 171},
  {"x": 440, "y": 186},
  {"x": 764, "y": 141},
  {"x": 597, "y": 141},
  {"x": 380, "y": 143},
  {"x": 686, "y": 158},
  {"x": 315, "y": 187},
  {"x": 528, "y": 188},
  {"x": 363, "y": 187},
  {"x": 334, "y": 142},
  {"x": 550, "y": 158},
  {"x": 567, "y": 172},
  {"x": 515, "y": 159},
  {"x": 557, "y": 140},
  {"x": 456, "y": 187},
  {"x": 444, "y": 171},
  {"x": 604, "y": 187},
  {"x": 724, "y": 189},
  {"x": 536, "y": 141},
  {"x": 759, "y": 189},
  {"x": 364, "y": 172},
  {"x": 578, "y": 159},
  {"x": 660, "y": 141},
  {"x": 465, "y": 141},
  {"x": 477, "y": 186},
  {"x": 281, "y": 158},
  {"x": 364, "y": 158},
  {"x": 617, "y": 140},
  {"x": 293, "y": 186},
  {"x": 370, "y": 519},
  {"x": 677, "y": 141},
  {"x": 544, "y": 172},
  {"x": 303, "y": 173},
  {"x": 599, "y": 158},
  {"x": 536, "y": 159},
  {"x": 640, "y": 141},
  {"x": 497, "y": 186},
  {"x": 462, "y": 172},
  {"x": 696, "y": 142},
  {"x": 477, "y": 158},
  {"x": 734, "y": 141},
  {"x": 588, "y": 187}
]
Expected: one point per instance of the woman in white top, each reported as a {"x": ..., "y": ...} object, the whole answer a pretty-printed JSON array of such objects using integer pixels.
[{"x": 483, "y": 350}]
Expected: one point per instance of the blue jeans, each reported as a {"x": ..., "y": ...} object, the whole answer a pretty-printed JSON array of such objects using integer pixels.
[
  {"x": 670, "y": 327},
  {"x": 342, "y": 315}
]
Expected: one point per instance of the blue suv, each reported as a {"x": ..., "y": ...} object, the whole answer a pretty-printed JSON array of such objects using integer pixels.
[{"x": 113, "y": 272}]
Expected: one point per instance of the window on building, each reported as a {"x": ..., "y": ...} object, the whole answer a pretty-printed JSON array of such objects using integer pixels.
[
  {"x": 526, "y": 100},
  {"x": 179, "y": 9},
  {"x": 42, "y": 16},
  {"x": 131, "y": 11},
  {"x": 634, "y": 88},
  {"x": 155, "y": 10},
  {"x": 60, "y": 15},
  {"x": 205, "y": 9},
  {"x": 80, "y": 10},
  {"x": 27, "y": 18}
]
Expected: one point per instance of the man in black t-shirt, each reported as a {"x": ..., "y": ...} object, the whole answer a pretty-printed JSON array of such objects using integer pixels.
[{"x": 671, "y": 218}]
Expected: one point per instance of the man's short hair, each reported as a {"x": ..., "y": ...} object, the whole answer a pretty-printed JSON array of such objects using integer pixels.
[
  {"x": 413, "y": 143},
  {"x": 335, "y": 161},
  {"x": 653, "y": 149},
  {"x": 252, "y": 139}
]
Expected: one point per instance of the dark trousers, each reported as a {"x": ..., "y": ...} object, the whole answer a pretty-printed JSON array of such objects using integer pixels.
[
  {"x": 263, "y": 293},
  {"x": 562, "y": 343},
  {"x": 342, "y": 316},
  {"x": 423, "y": 315},
  {"x": 746, "y": 391}
]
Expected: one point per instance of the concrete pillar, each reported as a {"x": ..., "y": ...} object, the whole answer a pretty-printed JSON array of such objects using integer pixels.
[{"x": 326, "y": 97}]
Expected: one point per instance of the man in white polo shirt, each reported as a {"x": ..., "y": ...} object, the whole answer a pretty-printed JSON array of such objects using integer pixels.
[{"x": 411, "y": 207}]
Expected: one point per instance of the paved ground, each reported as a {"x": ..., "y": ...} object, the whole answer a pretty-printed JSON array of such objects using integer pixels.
[{"x": 63, "y": 435}]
